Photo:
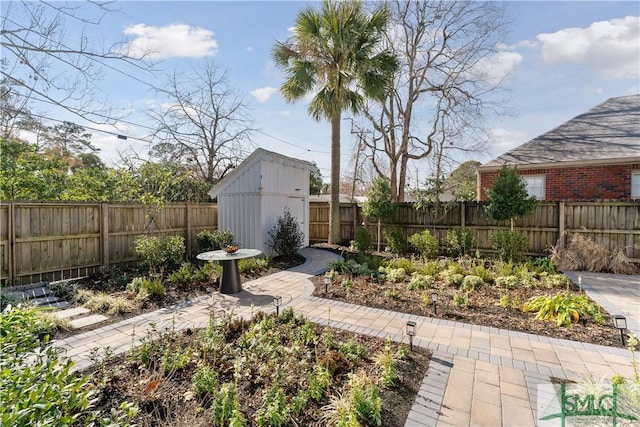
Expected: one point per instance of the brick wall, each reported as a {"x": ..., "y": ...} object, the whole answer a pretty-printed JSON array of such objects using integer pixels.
[{"x": 588, "y": 183}]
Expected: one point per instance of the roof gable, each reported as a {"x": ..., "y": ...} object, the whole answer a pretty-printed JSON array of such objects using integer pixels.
[
  {"x": 258, "y": 155},
  {"x": 608, "y": 131}
]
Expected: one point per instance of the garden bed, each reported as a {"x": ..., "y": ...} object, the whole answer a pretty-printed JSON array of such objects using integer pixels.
[
  {"x": 488, "y": 305},
  {"x": 270, "y": 371}
]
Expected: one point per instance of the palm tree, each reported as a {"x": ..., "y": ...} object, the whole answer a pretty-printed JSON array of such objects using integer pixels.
[{"x": 336, "y": 53}]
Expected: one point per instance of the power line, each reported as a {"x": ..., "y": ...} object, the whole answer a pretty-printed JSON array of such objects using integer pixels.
[{"x": 291, "y": 144}]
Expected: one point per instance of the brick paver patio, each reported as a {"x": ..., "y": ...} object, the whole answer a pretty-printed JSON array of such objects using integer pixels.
[{"x": 478, "y": 375}]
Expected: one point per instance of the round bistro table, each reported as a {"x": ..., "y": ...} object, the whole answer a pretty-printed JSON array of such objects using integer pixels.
[{"x": 230, "y": 275}]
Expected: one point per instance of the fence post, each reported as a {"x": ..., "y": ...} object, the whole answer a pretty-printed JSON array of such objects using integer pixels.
[
  {"x": 561, "y": 223},
  {"x": 463, "y": 214},
  {"x": 12, "y": 243},
  {"x": 104, "y": 233},
  {"x": 189, "y": 232}
]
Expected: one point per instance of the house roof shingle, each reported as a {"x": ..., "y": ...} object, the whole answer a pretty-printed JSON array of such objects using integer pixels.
[{"x": 607, "y": 132}]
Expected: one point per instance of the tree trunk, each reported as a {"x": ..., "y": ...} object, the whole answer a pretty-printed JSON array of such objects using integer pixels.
[
  {"x": 334, "y": 206},
  {"x": 379, "y": 234}
]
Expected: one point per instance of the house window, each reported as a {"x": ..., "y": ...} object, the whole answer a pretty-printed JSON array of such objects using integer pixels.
[
  {"x": 535, "y": 186},
  {"x": 635, "y": 185}
]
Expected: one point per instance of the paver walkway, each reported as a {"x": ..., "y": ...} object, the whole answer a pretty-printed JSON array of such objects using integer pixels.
[{"x": 478, "y": 375}]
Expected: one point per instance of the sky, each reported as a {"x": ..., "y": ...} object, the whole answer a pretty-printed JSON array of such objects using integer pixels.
[{"x": 562, "y": 59}]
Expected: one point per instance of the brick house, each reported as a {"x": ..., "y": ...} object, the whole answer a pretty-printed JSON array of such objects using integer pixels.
[{"x": 594, "y": 156}]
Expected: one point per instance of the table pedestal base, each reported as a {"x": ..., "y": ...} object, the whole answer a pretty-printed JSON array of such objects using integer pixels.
[{"x": 230, "y": 277}]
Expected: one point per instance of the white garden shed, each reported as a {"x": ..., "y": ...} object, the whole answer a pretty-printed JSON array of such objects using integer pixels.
[{"x": 258, "y": 191}]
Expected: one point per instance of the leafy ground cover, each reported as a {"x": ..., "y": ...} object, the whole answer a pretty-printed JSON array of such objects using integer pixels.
[
  {"x": 527, "y": 297},
  {"x": 266, "y": 371}
]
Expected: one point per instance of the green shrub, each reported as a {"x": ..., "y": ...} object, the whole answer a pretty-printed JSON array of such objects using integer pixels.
[
  {"x": 319, "y": 380},
  {"x": 213, "y": 241},
  {"x": 452, "y": 277},
  {"x": 364, "y": 240},
  {"x": 159, "y": 253},
  {"x": 482, "y": 271},
  {"x": 545, "y": 265},
  {"x": 357, "y": 269},
  {"x": 431, "y": 268},
  {"x": 508, "y": 282},
  {"x": 275, "y": 410},
  {"x": 225, "y": 405},
  {"x": 183, "y": 277},
  {"x": 396, "y": 240},
  {"x": 147, "y": 287},
  {"x": 23, "y": 327},
  {"x": 425, "y": 243},
  {"x": 392, "y": 293},
  {"x": 460, "y": 241},
  {"x": 395, "y": 275},
  {"x": 209, "y": 272},
  {"x": 420, "y": 281},
  {"x": 352, "y": 350},
  {"x": 175, "y": 359},
  {"x": 406, "y": 264},
  {"x": 557, "y": 281},
  {"x": 509, "y": 244},
  {"x": 461, "y": 299},
  {"x": 252, "y": 264},
  {"x": 285, "y": 238},
  {"x": 471, "y": 283},
  {"x": 205, "y": 381}
]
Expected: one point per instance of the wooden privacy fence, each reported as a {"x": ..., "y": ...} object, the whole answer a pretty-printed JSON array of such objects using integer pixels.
[
  {"x": 615, "y": 225},
  {"x": 49, "y": 241}
]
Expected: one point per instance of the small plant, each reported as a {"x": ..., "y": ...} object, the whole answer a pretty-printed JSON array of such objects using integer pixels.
[
  {"x": 347, "y": 284},
  {"x": 425, "y": 299},
  {"x": 64, "y": 289},
  {"x": 459, "y": 241},
  {"x": 563, "y": 309},
  {"x": 557, "y": 281},
  {"x": 471, "y": 283},
  {"x": 147, "y": 287},
  {"x": 216, "y": 240},
  {"x": 364, "y": 240},
  {"x": 275, "y": 410},
  {"x": 483, "y": 272},
  {"x": 384, "y": 360},
  {"x": 431, "y": 268},
  {"x": 395, "y": 275},
  {"x": 420, "y": 281},
  {"x": 352, "y": 350},
  {"x": 392, "y": 293},
  {"x": 319, "y": 380},
  {"x": 508, "y": 282},
  {"x": 208, "y": 273},
  {"x": 461, "y": 299},
  {"x": 509, "y": 244},
  {"x": 396, "y": 240},
  {"x": 205, "y": 381},
  {"x": 252, "y": 264},
  {"x": 425, "y": 243},
  {"x": 545, "y": 265},
  {"x": 225, "y": 405},
  {"x": 159, "y": 253},
  {"x": 286, "y": 236},
  {"x": 175, "y": 359},
  {"x": 182, "y": 277},
  {"x": 509, "y": 303},
  {"x": 452, "y": 277},
  {"x": 109, "y": 304}
]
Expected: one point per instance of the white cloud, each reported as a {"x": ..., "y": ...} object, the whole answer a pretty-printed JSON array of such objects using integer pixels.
[
  {"x": 264, "y": 93},
  {"x": 502, "y": 140},
  {"x": 174, "y": 40},
  {"x": 495, "y": 68},
  {"x": 610, "y": 49}
]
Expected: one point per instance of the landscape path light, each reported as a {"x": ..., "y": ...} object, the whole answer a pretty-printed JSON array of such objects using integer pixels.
[
  {"x": 277, "y": 301},
  {"x": 620, "y": 322},
  {"x": 326, "y": 284},
  {"x": 434, "y": 301},
  {"x": 411, "y": 331},
  {"x": 580, "y": 282}
]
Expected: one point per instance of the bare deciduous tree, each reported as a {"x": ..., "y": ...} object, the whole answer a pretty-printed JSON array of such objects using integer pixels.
[
  {"x": 41, "y": 62},
  {"x": 439, "y": 95},
  {"x": 206, "y": 126}
]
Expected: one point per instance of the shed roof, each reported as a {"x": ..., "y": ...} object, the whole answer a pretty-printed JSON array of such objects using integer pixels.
[
  {"x": 260, "y": 154},
  {"x": 608, "y": 133}
]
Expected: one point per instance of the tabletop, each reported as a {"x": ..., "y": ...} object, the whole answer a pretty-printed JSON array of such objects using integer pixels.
[{"x": 224, "y": 256}]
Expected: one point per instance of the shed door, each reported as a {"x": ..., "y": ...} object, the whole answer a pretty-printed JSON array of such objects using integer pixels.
[{"x": 297, "y": 210}]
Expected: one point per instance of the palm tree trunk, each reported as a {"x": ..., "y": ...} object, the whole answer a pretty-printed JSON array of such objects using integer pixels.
[{"x": 334, "y": 207}]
